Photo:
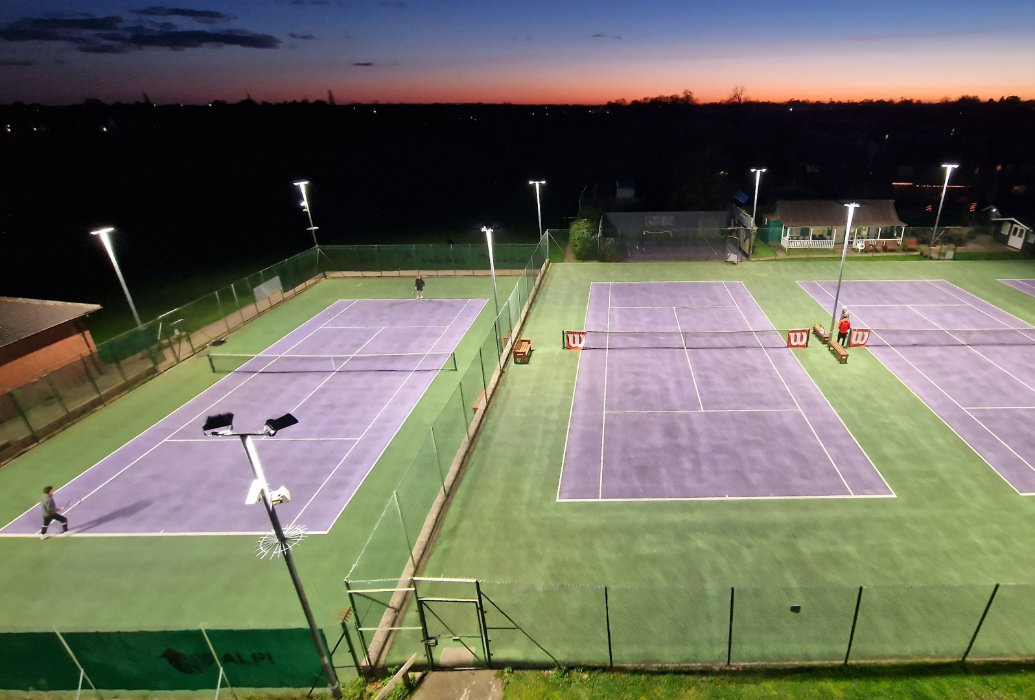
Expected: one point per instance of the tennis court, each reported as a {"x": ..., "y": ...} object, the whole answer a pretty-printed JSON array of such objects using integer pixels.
[
  {"x": 972, "y": 363},
  {"x": 671, "y": 376},
  {"x": 1023, "y": 285},
  {"x": 351, "y": 375}
]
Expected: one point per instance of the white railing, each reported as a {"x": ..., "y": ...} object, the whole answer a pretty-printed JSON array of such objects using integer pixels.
[{"x": 806, "y": 243}]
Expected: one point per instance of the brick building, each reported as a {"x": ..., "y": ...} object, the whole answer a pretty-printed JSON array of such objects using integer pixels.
[{"x": 38, "y": 337}]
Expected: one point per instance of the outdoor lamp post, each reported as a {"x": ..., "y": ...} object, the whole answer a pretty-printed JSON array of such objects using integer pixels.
[
  {"x": 221, "y": 425},
  {"x": 754, "y": 207},
  {"x": 948, "y": 171},
  {"x": 103, "y": 234},
  {"x": 305, "y": 207},
  {"x": 844, "y": 250},
  {"x": 538, "y": 209},
  {"x": 492, "y": 271}
]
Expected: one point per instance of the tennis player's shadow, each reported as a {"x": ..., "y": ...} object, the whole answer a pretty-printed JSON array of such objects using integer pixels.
[{"x": 124, "y": 512}]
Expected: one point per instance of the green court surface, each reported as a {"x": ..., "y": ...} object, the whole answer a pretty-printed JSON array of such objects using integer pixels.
[{"x": 928, "y": 558}]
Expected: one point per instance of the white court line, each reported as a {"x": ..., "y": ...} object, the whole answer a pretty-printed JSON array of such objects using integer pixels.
[
  {"x": 571, "y": 410},
  {"x": 718, "y": 410},
  {"x": 689, "y": 364},
  {"x": 603, "y": 406}
]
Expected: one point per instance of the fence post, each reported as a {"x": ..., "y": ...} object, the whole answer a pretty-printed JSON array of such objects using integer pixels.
[
  {"x": 607, "y": 621},
  {"x": 729, "y": 640},
  {"x": 980, "y": 622},
  {"x": 484, "y": 626},
  {"x": 855, "y": 618}
]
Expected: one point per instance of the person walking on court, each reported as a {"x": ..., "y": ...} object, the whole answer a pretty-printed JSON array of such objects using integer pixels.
[
  {"x": 843, "y": 329},
  {"x": 418, "y": 284},
  {"x": 51, "y": 512}
]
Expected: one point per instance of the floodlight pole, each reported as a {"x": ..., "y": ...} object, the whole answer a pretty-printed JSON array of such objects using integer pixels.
[
  {"x": 492, "y": 271},
  {"x": 948, "y": 171},
  {"x": 321, "y": 648},
  {"x": 844, "y": 251},
  {"x": 102, "y": 233},
  {"x": 302, "y": 184},
  {"x": 538, "y": 209},
  {"x": 754, "y": 207}
]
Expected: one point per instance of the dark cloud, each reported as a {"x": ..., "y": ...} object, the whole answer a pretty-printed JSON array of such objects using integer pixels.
[
  {"x": 363, "y": 64},
  {"x": 300, "y": 36},
  {"x": 616, "y": 37},
  {"x": 56, "y": 29},
  {"x": 191, "y": 39},
  {"x": 111, "y": 35},
  {"x": 198, "y": 15}
]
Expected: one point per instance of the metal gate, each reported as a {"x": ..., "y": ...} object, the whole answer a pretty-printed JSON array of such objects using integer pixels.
[{"x": 452, "y": 621}]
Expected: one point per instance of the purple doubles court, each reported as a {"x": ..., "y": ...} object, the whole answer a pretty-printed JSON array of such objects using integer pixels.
[
  {"x": 972, "y": 363},
  {"x": 171, "y": 479},
  {"x": 689, "y": 393}
]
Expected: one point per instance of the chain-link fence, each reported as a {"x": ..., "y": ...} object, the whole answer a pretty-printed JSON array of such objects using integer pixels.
[
  {"x": 31, "y": 412},
  {"x": 496, "y": 624},
  {"x": 399, "y": 539}
]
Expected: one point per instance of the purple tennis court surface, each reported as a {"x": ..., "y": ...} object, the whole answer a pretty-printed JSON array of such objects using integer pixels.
[
  {"x": 702, "y": 423},
  {"x": 173, "y": 480},
  {"x": 1023, "y": 285},
  {"x": 984, "y": 389}
]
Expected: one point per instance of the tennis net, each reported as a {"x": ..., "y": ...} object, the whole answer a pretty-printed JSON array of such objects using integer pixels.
[
  {"x": 898, "y": 337},
  {"x": 781, "y": 338},
  {"x": 691, "y": 340},
  {"x": 222, "y": 363}
]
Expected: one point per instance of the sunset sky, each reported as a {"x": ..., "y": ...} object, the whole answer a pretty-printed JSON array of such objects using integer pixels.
[{"x": 536, "y": 51}]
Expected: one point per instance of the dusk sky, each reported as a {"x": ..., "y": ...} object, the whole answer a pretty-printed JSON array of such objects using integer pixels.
[{"x": 536, "y": 51}]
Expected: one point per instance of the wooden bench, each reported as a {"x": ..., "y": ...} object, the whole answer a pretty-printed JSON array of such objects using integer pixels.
[
  {"x": 821, "y": 333},
  {"x": 839, "y": 352},
  {"x": 522, "y": 349}
]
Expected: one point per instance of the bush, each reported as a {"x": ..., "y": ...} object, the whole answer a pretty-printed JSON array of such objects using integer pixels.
[{"x": 583, "y": 239}]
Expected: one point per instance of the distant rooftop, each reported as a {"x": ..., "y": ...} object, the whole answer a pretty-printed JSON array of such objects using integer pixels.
[
  {"x": 22, "y": 318},
  {"x": 828, "y": 212}
]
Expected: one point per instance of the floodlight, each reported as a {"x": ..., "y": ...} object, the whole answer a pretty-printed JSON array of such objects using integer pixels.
[
  {"x": 219, "y": 424},
  {"x": 281, "y": 495},
  {"x": 273, "y": 425}
]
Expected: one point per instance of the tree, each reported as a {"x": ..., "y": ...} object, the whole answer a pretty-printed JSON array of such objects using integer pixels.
[
  {"x": 736, "y": 95},
  {"x": 583, "y": 239}
]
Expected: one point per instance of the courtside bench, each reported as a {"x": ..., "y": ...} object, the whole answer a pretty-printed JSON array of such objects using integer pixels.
[
  {"x": 522, "y": 350},
  {"x": 821, "y": 333},
  {"x": 839, "y": 352}
]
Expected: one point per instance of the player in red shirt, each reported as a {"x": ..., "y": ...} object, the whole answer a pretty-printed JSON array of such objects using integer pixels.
[{"x": 843, "y": 328}]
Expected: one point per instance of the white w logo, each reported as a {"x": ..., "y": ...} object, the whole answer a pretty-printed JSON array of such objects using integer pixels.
[
  {"x": 798, "y": 338},
  {"x": 574, "y": 340},
  {"x": 859, "y": 337}
]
